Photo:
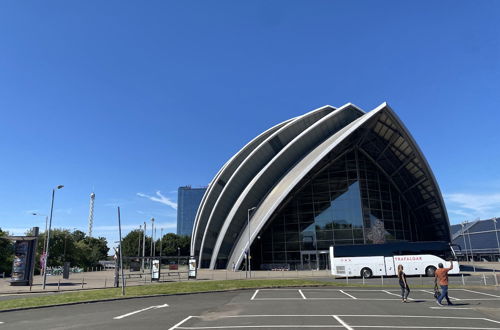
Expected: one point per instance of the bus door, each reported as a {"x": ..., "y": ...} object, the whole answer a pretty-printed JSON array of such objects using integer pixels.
[{"x": 389, "y": 266}]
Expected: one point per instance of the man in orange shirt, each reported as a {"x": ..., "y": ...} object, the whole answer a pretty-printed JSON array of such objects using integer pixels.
[{"x": 441, "y": 278}]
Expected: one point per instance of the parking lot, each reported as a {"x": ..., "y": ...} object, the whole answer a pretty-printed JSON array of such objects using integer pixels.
[
  {"x": 353, "y": 308},
  {"x": 290, "y": 308}
]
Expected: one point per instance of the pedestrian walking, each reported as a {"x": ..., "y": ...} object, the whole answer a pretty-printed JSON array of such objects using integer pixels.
[
  {"x": 403, "y": 283},
  {"x": 441, "y": 278}
]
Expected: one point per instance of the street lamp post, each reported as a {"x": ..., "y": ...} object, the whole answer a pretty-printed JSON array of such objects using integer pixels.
[
  {"x": 46, "y": 224},
  {"x": 465, "y": 242},
  {"x": 178, "y": 255},
  {"x": 48, "y": 236},
  {"x": 248, "y": 254},
  {"x": 152, "y": 235},
  {"x": 143, "y": 245}
]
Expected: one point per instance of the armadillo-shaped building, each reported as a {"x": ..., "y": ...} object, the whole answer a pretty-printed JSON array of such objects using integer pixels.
[{"x": 333, "y": 176}]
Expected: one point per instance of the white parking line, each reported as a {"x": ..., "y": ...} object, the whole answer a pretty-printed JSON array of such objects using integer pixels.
[
  {"x": 181, "y": 322},
  {"x": 138, "y": 311},
  {"x": 348, "y": 294},
  {"x": 451, "y": 298},
  {"x": 397, "y": 295},
  {"x": 253, "y": 297},
  {"x": 302, "y": 294},
  {"x": 345, "y": 325},
  {"x": 451, "y": 307},
  {"x": 487, "y": 294}
]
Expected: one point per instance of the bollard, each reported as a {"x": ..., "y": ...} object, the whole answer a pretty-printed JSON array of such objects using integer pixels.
[
  {"x": 226, "y": 274},
  {"x": 484, "y": 279},
  {"x": 421, "y": 280},
  {"x": 105, "y": 282},
  {"x": 382, "y": 276},
  {"x": 83, "y": 279},
  {"x": 58, "y": 284},
  {"x": 363, "y": 279},
  {"x": 463, "y": 280},
  {"x": 347, "y": 279}
]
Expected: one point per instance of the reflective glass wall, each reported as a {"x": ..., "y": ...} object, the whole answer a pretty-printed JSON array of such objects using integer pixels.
[{"x": 347, "y": 200}]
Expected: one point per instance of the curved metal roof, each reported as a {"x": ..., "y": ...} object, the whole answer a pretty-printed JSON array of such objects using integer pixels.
[
  {"x": 262, "y": 183},
  {"x": 215, "y": 187},
  {"x": 271, "y": 170},
  {"x": 253, "y": 163}
]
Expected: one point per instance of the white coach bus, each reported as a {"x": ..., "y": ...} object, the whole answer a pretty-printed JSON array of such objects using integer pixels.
[{"x": 417, "y": 258}]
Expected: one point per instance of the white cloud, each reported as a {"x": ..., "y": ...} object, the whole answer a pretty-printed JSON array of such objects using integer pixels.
[
  {"x": 160, "y": 199},
  {"x": 471, "y": 206}
]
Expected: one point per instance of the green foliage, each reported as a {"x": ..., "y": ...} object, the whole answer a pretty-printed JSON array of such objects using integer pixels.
[
  {"x": 169, "y": 244},
  {"x": 75, "y": 248},
  {"x": 6, "y": 253}
]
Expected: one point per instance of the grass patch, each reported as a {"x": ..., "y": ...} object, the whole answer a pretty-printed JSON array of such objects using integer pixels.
[{"x": 157, "y": 289}]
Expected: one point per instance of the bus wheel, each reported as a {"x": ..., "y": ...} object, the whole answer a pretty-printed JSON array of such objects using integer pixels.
[
  {"x": 429, "y": 271},
  {"x": 366, "y": 273}
]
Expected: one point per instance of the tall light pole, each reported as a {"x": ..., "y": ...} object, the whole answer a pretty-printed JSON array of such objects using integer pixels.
[
  {"x": 152, "y": 235},
  {"x": 45, "y": 235},
  {"x": 496, "y": 233},
  {"x": 465, "y": 242},
  {"x": 143, "y": 245},
  {"x": 48, "y": 236},
  {"x": 471, "y": 251},
  {"x": 248, "y": 254},
  {"x": 161, "y": 242},
  {"x": 139, "y": 247}
]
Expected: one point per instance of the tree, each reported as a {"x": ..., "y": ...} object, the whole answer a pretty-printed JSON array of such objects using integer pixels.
[
  {"x": 130, "y": 244},
  {"x": 6, "y": 253},
  {"x": 170, "y": 243}
]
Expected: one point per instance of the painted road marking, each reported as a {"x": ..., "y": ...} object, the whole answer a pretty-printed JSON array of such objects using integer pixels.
[
  {"x": 451, "y": 298},
  {"x": 397, "y": 295},
  {"x": 451, "y": 307},
  {"x": 181, "y": 322},
  {"x": 255, "y": 294},
  {"x": 139, "y": 311},
  {"x": 302, "y": 294},
  {"x": 487, "y": 294},
  {"x": 348, "y": 294},
  {"x": 345, "y": 325}
]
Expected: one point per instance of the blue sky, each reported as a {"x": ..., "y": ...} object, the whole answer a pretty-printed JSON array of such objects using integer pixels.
[{"x": 133, "y": 99}]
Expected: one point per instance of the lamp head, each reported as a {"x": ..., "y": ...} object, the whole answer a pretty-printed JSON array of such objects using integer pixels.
[{"x": 60, "y": 186}]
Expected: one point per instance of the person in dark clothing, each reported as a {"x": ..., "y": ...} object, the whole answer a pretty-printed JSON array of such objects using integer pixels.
[{"x": 403, "y": 283}]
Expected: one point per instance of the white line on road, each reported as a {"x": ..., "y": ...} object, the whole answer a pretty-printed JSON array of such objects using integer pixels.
[
  {"x": 451, "y": 307},
  {"x": 397, "y": 295},
  {"x": 348, "y": 294},
  {"x": 267, "y": 327},
  {"x": 255, "y": 294},
  {"x": 303, "y": 297},
  {"x": 488, "y": 294},
  {"x": 140, "y": 310},
  {"x": 345, "y": 325},
  {"x": 452, "y": 298},
  {"x": 181, "y": 322}
]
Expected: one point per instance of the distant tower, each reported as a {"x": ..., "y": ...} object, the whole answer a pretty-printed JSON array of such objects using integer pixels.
[{"x": 91, "y": 213}]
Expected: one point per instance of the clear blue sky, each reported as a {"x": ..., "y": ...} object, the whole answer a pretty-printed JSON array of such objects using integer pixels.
[{"x": 136, "y": 97}]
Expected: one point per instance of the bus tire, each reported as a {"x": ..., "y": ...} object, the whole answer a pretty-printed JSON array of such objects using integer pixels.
[
  {"x": 430, "y": 271},
  {"x": 366, "y": 272}
]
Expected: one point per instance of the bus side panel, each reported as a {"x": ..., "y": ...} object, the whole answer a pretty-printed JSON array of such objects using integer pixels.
[{"x": 389, "y": 266}]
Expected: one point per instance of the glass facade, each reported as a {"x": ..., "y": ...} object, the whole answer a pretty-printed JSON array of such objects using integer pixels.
[
  {"x": 346, "y": 200},
  {"x": 188, "y": 201}
]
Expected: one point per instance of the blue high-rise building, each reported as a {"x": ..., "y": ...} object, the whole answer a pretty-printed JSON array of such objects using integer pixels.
[{"x": 188, "y": 200}]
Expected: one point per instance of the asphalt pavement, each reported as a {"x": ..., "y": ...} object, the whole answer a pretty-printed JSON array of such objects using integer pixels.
[{"x": 291, "y": 308}]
